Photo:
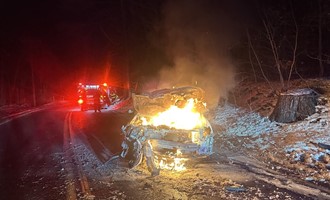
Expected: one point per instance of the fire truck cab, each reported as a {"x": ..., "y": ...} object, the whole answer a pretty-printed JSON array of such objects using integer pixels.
[{"x": 90, "y": 95}]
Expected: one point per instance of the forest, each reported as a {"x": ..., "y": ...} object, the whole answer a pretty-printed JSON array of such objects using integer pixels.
[{"x": 47, "y": 47}]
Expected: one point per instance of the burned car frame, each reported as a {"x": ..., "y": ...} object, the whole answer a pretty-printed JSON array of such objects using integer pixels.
[{"x": 168, "y": 129}]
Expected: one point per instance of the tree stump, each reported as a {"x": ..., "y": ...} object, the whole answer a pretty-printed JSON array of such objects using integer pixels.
[{"x": 294, "y": 105}]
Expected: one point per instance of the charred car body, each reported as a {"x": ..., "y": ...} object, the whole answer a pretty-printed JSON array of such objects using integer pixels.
[{"x": 169, "y": 129}]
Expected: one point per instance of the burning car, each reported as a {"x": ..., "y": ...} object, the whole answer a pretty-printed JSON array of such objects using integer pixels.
[{"x": 169, "y": 129}]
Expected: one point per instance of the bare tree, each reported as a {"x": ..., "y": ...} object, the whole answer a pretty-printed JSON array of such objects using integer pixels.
[
  {"x": 34, "y": 97},
  {"x": 2, "y": 82},
  {"x": 271, "y": 39},
  {"x": 284, "y": 45},
  {"x": 320, "y": 50},
  {"x": 294, "y": 54},
  {"x": 251, "y": 47},
  {"x": 2, "y": 87}
]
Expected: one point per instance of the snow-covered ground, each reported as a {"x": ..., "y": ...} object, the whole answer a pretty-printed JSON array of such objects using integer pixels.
[
  {"x": 300, "y": 146},
  {"x": 9, "y": 112}
]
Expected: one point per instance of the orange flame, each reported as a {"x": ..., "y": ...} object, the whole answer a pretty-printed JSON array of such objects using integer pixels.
[
  {"x": 186, "y": 118},
  {"x": 179, "y": 118}
]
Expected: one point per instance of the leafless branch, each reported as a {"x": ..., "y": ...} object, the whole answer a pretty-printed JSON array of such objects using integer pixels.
[
  {"x": 271, "y": 39},
  {"x": 256, "y": 56},
  {"x": 295, "y": 46}
]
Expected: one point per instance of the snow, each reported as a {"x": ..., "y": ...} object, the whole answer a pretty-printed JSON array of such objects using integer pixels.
[
  {"x": 7, "y": 110},
  {"x": 303, "y": 91},
  {"x": 244, "y": 128},
  {"x": 246, "y": 123}
]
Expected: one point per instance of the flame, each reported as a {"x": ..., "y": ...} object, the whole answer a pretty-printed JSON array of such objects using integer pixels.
[
  {"x": 175, "y": 163},
  {"x": 186, "y": 118},
  {"x": 179, "y": 118}
]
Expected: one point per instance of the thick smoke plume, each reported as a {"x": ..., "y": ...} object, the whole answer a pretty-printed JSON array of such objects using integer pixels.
[{"x": 197, "y": 36}]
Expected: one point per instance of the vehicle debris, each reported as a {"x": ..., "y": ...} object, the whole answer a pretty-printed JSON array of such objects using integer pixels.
[{"x": 235, "y": 189}]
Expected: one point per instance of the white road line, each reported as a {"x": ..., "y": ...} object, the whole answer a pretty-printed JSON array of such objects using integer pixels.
[
  {"x": 83, "y": 179},
  {"x": 71, "y": 189}
]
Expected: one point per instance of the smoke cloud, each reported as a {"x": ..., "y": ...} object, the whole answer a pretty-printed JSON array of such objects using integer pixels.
[{"x": 197, "y": 36}]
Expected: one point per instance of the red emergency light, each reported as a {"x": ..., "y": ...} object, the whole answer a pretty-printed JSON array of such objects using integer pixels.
[{"x": 80, "y": 101}]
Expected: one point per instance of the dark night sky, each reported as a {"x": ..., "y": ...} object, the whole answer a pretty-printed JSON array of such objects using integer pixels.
[
  {"x": 70, "y": 29},
  {"x": 69, "y": 40},
  {"x": 80, "y": 33}
]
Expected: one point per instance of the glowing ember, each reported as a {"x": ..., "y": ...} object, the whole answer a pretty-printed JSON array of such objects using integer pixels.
[
  {"x": 179, "y": 118},
  {"x": 195, "y": 137},
  {"x": 175, "y": 163}
]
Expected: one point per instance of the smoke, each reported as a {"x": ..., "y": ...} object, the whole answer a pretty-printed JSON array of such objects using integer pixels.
[{"x": 196, "y": 36}]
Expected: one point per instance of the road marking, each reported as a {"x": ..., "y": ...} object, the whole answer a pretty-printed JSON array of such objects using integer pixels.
[
  {"x": 83, "y": 179},
  {"x": 71, "y": 168},
  {"x": 71, "y": 189}
]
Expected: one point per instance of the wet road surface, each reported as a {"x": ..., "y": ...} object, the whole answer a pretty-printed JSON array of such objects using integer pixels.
[
  {"x": 28, "y": 149},
  {"x": 33, "y": 154}
]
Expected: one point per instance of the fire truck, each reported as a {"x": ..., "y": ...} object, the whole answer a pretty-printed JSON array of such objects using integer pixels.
[{"x": 87, "y": 94}]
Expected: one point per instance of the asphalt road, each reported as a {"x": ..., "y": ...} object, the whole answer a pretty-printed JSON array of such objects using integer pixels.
[
  {"x": 35, "y": 159},
  {"x": 28, "y": 146}
]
